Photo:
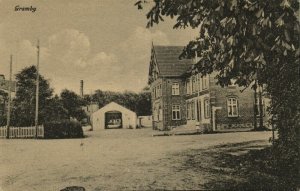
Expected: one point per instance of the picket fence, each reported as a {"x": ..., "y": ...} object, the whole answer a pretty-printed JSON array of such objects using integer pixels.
[{"x": 22, "y": 132}]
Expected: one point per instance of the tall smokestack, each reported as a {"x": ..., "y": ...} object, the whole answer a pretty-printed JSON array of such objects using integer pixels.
[{"x": 81, "y": 88}]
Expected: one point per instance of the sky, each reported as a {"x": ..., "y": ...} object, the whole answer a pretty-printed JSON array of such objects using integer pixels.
[{"x": 105, "y": 43}]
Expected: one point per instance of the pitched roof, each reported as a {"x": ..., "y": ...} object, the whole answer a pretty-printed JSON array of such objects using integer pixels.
[{"x": 168, "y": 61}]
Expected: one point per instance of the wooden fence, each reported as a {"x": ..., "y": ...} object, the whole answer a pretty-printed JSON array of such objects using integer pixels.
[{"x": 22, "y": 132}]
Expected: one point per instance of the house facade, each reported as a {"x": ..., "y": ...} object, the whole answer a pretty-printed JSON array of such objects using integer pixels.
[{"x": 181, "y": 96}]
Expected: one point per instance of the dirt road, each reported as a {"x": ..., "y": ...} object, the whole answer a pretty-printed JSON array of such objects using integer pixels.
[{"x": 111, "y": 160}]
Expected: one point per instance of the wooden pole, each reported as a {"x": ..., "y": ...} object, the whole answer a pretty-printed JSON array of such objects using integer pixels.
[
  {"x": 9, "y": 98},
  {"x": 255, "y": 106},
  {"x": 37, "y": 91},
  {"x": 261, "y": 120}
]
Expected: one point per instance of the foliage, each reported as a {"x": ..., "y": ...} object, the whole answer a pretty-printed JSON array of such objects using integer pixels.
[
  {"x": 73, "y": 103},
  {"x": 54, "y": 110},
  {"x": 3, "y": 101},
  {"x": 252, "y": 41},
  {"x": 63, "y": 129},
  {"x": 23, "y": 111}
]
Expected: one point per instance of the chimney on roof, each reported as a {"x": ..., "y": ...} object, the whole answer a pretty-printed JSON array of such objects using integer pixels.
[{"x": 81, "y": 88}]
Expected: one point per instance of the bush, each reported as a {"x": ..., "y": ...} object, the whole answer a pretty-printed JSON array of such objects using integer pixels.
[{"x": 63, "y": 129}]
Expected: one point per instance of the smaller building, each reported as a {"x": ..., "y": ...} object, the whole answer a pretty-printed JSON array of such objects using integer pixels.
[
  {"x": 145, "y": 121},
  {"x": 89, "y": 110},
  {"x": 114, "y": 116}
]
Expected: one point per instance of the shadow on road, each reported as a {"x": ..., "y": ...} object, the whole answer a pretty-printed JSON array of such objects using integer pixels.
[{"x": 241, "y": 166}]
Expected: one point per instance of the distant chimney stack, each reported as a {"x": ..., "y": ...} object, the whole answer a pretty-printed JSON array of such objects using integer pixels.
[{"x": 81, "y": 88}]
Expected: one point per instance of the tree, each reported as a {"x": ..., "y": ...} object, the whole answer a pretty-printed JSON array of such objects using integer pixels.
[
  {"x": 55, "y": 111},
  {"x": 143, "y": 103},
  {"x": 73, "y": 103},
  {"x": 3, "y": 103},
  {"x": 23, "y": 111},
  {"x": 255, "y": 42}
]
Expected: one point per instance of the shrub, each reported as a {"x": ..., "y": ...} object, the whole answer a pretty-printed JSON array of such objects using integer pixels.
[{"x": 63, "y": 129}]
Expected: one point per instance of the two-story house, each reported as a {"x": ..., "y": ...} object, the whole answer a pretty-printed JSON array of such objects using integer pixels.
[{"x": 183, "y": 96}]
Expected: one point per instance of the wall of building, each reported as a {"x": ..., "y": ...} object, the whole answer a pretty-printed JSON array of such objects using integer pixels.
[
  {"x": 169, "y": 100},
  {"x": 245, "y": 118},
  {"x": 129, "y": 118}
]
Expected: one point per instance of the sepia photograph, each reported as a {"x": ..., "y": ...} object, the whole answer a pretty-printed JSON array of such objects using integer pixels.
[{"x": 149, "y": 95}]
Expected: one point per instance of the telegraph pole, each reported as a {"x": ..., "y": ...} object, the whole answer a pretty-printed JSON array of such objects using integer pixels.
[
  {"x": 261, "y": 120},
  {"x": 37, "y": 91},
  {"x": 9, "y": 98},
  {"x": 255, "y": 106}
]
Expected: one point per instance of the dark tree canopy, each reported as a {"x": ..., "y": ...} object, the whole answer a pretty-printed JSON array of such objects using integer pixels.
[
  {"x": 23, "y": 112},
  {"x": 73, "y": 104}
]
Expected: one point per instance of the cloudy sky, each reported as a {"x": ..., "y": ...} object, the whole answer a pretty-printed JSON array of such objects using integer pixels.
[{"x": 103, "y": 42}]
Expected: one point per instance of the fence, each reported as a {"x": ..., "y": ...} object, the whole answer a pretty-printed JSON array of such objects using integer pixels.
[{"x": 22, "y": 132}]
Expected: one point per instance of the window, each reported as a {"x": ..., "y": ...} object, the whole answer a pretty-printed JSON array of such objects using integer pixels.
[
  {"x": 155, "y": 115},
  {"x": 175, "y": 112},
  {"x": 160, "y": 92},
  {"x": 175, "y": 89},
  {"x": 193, "y": 110},
  {"x": 193, "y": 84},
  {"x": 205, "y": 82},
  {"x": 160, "y": 115},
  {"x": 188, "y": 108},
  {"x": 188, "y": 87},
  {"x": 259, "y": 109},
  {"x": 232, "y": 107},
  {"x": 206, "y": 109},
  {"x": 196, "y": 83}
]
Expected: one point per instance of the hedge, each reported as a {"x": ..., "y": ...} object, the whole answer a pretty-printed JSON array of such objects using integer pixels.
[{"x": 63, "y": 129}]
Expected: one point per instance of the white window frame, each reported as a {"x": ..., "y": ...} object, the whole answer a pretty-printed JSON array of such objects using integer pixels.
[
  {"x": 176, "y": 109},
  {"x": 205, "y": 82},
  {"x": 206, "y": 108},
  {"x": 193, "y": 110},
  {"x": 175, "y": 88},
  {"x": 188, "y": 110},
  {"x": 188, "y": 86},
  {"x": 193, "y": 84},
  {"x": 232, "y": 102}
]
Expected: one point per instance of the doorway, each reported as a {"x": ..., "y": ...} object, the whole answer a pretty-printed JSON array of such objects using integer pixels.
[{"x": 113, "y": 120}]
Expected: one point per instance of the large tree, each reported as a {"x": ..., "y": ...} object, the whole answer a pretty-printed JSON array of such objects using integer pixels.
[
  {"x": 73, "y": 104},
  {"x": 255, "y": 42},
  {"x": 23, "y": 112}
]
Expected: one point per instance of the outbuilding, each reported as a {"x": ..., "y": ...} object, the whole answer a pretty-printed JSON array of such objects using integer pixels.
[{"x": 114, "y": 116}]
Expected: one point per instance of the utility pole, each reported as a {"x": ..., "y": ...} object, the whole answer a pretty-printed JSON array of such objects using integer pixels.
[
  {"x": 9, "y": 98},
  {"x": 37, "y": 91},
  {"x": 255, "y": 106},
  {"x": 261, "y": 115}
]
